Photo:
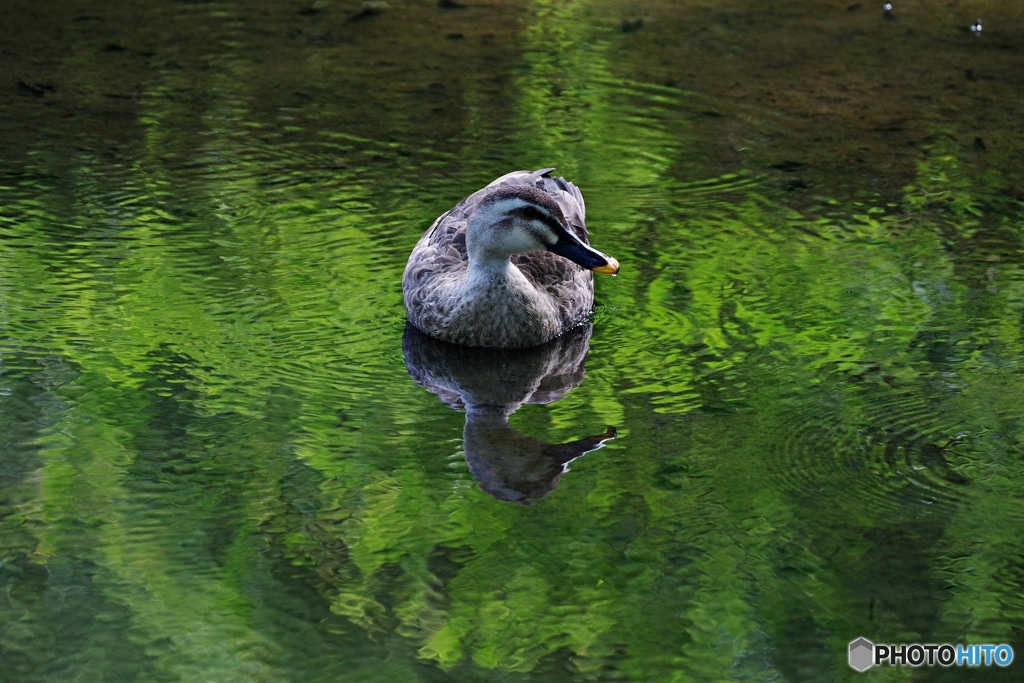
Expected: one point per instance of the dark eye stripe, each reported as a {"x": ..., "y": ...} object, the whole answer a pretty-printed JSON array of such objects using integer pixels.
[{"x": 531, "y": 213}]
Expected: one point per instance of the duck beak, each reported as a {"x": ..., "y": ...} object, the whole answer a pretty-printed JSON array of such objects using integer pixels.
[{"x": 572, "y": 247}]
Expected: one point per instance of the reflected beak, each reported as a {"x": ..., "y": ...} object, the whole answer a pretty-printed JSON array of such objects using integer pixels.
[{"x": 572, "y": 247}]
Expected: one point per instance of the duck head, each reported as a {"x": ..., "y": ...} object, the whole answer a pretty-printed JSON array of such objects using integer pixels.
[{"x": 519, "y": 218}]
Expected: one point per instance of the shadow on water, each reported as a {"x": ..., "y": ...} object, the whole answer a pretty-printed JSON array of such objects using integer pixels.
[{"x": 489, "y": 385}]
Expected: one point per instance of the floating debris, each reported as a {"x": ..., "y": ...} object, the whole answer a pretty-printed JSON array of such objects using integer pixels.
[
  {"x": 887, "y": 12},
  {"x": 976, "y": 28},
  {"x": 370, "y": 9},
  {"x": 628, "y": 26},
  {"x": 35, "y": 89}
]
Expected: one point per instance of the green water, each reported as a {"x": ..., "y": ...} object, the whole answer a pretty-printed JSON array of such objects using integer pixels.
[{"x": 215, "y": 461}]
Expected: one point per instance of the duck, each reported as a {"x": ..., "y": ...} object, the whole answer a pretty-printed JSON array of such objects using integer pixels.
[{"x": 510, "y": 266}]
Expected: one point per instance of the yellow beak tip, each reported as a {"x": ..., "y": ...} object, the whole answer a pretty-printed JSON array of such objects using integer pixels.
[{"x": 611, "y": 268}]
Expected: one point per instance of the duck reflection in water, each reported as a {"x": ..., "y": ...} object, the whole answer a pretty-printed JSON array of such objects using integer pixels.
[{"x": 489, "y": 385}]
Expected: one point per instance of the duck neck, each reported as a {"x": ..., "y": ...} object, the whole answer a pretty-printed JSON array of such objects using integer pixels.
[
  {"x": 492, "y": 416},
  {"x": 488, "y": 272},
  {"x": 489, "y": 254}
]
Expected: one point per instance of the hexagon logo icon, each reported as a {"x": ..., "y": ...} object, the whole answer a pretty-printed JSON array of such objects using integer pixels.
[{"x": 862, "y": 654}]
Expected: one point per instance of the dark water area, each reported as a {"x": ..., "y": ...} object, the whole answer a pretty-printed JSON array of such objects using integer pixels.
[{"x": 796, "y": 419}]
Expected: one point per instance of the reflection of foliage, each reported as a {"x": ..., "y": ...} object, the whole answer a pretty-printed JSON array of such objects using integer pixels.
[{"x": 205, "y": 415}]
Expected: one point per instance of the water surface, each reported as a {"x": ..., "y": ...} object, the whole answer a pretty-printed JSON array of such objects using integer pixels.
[{"x": 218, "y": 462}]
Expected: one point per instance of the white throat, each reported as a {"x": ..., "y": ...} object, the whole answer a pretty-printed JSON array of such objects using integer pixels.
[{"x": 492, "y": 272}]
